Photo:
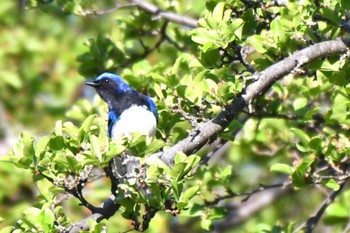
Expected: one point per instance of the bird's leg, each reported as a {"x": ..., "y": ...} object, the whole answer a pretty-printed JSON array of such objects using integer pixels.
[{"x": 110, "y": 172}]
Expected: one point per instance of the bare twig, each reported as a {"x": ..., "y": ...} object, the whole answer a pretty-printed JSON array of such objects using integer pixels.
[
  {"x": 75, "y": 189},
  {"x": 312, "y": 221},
  {"x": 167, "y": 15},
  {"x": 147, "y": 51},
  {"x": 259, "y": 115},
  {"x": 106, "y": 11},
  {"x": 149, "y": 8},
  {"x": 221, "y": 145},
  {"x": 248, "y": 194},
  {"x": 239, "y": 211}
]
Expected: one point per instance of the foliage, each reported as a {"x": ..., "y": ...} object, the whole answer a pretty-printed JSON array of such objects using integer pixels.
[{"x": 296, "y": 135}]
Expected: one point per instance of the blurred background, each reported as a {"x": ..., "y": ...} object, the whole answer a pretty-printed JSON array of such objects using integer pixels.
[
  {"x": 39, "y": 82},
  {"x": 42, "y": 47},
  {"x": 49, "y": 48}
]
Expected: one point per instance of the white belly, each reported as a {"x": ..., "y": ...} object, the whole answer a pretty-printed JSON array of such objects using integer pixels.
[{"x": 135, "y": 119}]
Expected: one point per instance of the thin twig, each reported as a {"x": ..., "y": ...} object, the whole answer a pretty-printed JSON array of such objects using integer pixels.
[
  {"x": 272, "y": 115},
  {"x": 76, "y": 190},
  {"x": 106, "y": 11},
  {"x": 312, "y": 221},
  {"x": 147, "y": 51},
  {"x": 149, "y": 8},
  {"x": 247, "y": 194},
  {"x": 221, "y": 145},
  {"x": 167, "y": 15},
  {"x": 105, "y": 211}
]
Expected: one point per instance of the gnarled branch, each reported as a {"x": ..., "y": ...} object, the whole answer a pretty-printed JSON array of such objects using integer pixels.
[{"x": 264, "y": 80}]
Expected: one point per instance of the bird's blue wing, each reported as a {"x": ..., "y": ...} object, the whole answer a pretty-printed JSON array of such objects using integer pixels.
[
  {"x": 112, "y": 119},
  {"x": 152, "y": 107}
]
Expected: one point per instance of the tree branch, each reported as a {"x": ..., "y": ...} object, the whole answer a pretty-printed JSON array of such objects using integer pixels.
[
  {"x": 104, "y": 211},
  {"x": 167, "y": 15},
  {"x": 240, "y": 211},
  {"x": 205, "y": 132},
  {"x": 149, "y": 8},
  {"x": 249, "y": 193},
  {"x": 264, "y": 80}
]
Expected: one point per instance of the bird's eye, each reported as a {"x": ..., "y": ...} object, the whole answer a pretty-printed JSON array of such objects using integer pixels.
[{"x": 106, "y": 80}]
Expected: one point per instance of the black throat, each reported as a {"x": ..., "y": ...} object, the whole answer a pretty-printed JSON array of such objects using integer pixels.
[{"x": 124, "y": 101}]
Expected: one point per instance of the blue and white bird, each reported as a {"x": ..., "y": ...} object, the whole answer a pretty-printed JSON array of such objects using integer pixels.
[{"x": 129, "y": 110}]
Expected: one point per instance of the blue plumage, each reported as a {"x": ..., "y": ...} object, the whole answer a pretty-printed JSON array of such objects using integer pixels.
[
  {"x": 112, "y": 119},
  {"x": 129, "y": 110}
]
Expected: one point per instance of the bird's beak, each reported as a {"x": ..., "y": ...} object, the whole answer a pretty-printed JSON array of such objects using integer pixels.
[{"x": 93, "y": 84}]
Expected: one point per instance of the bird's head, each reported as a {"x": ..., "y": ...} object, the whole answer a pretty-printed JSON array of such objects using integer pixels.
[{"x": 109, "y": 86}]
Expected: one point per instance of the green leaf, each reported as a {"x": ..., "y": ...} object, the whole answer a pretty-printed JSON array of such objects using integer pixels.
[
  {"x": 218, "y": 12},
  {"x": 202, "y": 37},
  {"x": 191, "y": 161},
  {"x": 315, "y": 143},
  {"x": 299, "y": 103},
  {"x": 227, "y": 172},
  {"x": 157, "y": 197},
  {"x": 177, "y": 189},
  {"x": 345, "y": 4},
  {"x": 187, "y": 92},
  {"x": 11, "y": 78},
  {"x": 113, "y": 150},
  {"x": 90, "y": 159},
  {"x": 23, "y": 153},
  {"x": 332, "y": 184},
  {"x": 188, "y": 194},
  {"x": 276, "y": 26},
  {"x": 158, "y": 78},
  {"x": 70, "y": 129},
  {"x": 207, "y": 224},
  {"x": 217, "y": 213},
  {"x": 154, "y": 146},
  {"x": 258, "y": 42},
  {"x": 299, "y": 176},
  {"x": 58, "y": 128},
  {"x": 57, "y": 143},
  {"x": 85, "y": 127},
  {"x": 159, "y": 91},
  {"x": 282, "y": 168},
  {"x": 304, "y": 138},
  {"x": 31, "y": 216},
  {"x": 340, "y": 107},
  {"x": 73, "y": 163},
  {"x": 330, "y": 15},
  {"x": 42, "y": 145},
  {"x": 176, "y": 66},
  {"x": 28, "y": 148},
  {"x": 337, "y": 210},
  {"x": 152, "y": 173},
  {"x": 46, "y": 219},
  {"x": 180, "y": 157},
  {"x": 328, "y": 66},
  {"x": 95, "y": 146},
  {"x": 96, "y": 227},
  {"x": 177, "y": 171}
]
